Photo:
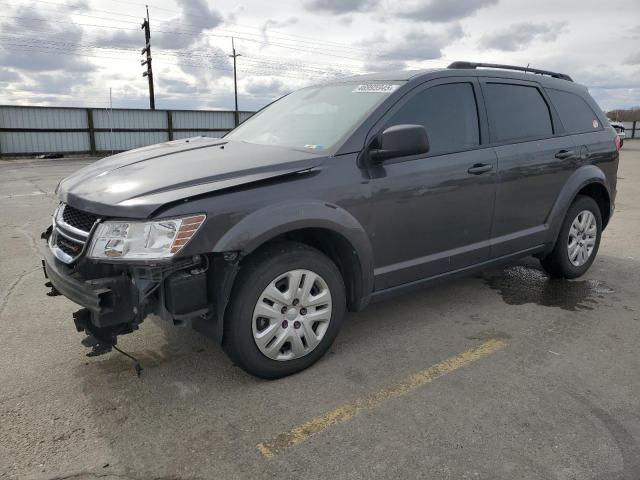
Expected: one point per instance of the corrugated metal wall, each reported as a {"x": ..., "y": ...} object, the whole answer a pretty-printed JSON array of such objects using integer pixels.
[
  {"x": 25, "y": 121},
  {"x": 30, "y": 130}
]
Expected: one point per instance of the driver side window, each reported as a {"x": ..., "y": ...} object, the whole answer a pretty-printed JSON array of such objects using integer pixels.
[{"x": 448, "y": 112}]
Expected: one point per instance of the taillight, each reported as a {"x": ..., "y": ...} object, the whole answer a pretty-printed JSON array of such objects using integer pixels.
[{"x": 617, "y": 142}]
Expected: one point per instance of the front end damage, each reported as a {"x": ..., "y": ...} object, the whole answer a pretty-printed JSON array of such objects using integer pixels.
[{"x": 117, "y": 297}]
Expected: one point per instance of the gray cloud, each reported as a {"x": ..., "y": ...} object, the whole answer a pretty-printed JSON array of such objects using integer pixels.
[
  {"x": 206, "y": 69},
  {"x": 633, "y": 59},
  {"x": 164, "y": 34},
  {"x": 442, "y": 11},
  {"x": 7, "y": 76},
  {"x": 60, "y": 83},
  {"x": 271, "y": 23},
  {"x": 520, "y": 35},
  {"x": 414, "y": 45},
  {"x": 121, "y": 39},
  {"x": 263, "y": 87},
  {"x": 340, "y": 7},
  {"x": 208, "y": 18},
  {"x": 60, "y": 52}
]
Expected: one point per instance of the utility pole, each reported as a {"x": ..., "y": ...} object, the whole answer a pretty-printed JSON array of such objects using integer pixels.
[
  {"x": 235, "y": 81},
  {"x": 147, "y": 62}
]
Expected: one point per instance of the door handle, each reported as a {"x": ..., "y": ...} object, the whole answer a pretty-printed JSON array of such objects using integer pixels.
[
  {"x": 563, "y": 154},
  {"x": 480, "y": 168}
]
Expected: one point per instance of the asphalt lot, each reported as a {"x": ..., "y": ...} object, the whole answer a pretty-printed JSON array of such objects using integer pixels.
[{"x": 504, "y": 375}]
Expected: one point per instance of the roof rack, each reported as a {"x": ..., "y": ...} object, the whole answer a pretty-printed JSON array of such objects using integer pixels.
[{"x": 473, "y": 65}]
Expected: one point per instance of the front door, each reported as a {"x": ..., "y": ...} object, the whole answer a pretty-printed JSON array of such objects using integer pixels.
[{"x": 432, "y": 213}]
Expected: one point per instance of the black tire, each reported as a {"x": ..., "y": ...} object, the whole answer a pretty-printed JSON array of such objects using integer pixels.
[
  {"x": 257, "y": 272},
  {"x": 557, "y": 263}
]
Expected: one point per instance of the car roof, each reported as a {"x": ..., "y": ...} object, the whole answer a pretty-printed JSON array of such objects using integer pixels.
[
  {"x": 392, "y": 76},
  {"x": 427, "y": 74}
]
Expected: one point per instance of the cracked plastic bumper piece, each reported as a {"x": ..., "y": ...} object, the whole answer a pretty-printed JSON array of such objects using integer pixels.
[{"x": 110, "y": 300}]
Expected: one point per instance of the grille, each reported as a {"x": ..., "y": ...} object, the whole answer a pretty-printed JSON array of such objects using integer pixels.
[
  {"x": 69, "y": 247},
  {"x": 80, "y": 220}
]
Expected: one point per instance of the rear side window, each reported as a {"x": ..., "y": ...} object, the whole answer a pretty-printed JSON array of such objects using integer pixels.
[
  {"x": 575, "y": 114},
  {"x": 516, "y": 112},
  {"x": 448, "y": 112}
]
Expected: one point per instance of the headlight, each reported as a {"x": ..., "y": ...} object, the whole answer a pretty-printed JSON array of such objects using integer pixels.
[{"x": 143, "y": 240}]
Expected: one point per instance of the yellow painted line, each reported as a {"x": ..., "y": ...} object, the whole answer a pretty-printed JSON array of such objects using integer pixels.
[{"x": 346, "y": 412}]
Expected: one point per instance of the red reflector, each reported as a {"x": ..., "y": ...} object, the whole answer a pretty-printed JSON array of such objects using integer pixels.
[{"x": 617, "y": 142}]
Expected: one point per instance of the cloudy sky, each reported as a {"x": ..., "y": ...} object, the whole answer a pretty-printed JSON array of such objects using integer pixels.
[{"x": 71, "y": 53}]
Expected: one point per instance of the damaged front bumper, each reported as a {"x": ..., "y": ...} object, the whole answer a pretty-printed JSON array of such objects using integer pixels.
[
  {"x": 111, "y": 304},
  {"x": 110, "y": 300},
  {"x": 117, "y": 298}
]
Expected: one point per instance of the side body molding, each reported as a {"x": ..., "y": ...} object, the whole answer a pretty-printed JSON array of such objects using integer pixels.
[
  {"x": 583, "y": 176},
  {"x": 267, "y": 223}
]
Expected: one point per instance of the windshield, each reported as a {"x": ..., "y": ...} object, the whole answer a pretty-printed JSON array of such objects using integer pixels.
[{"x": 316, "y": 117}]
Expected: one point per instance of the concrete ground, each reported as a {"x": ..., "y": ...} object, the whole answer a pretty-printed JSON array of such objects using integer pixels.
[{"x": 505, "y": 375}]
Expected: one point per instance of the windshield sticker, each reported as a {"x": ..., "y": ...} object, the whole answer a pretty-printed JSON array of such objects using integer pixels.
[
  {"x": 595, "y": 124},
  {"x": 375, "y": 88}
]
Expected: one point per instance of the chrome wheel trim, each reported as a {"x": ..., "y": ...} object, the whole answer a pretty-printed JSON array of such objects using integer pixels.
[
  {"x": 292, "y": 315},
  {"x": 582, "y": 238}
]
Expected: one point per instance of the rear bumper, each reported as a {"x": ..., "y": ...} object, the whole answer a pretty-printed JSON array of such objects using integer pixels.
[{"x": 110, "y": 300}]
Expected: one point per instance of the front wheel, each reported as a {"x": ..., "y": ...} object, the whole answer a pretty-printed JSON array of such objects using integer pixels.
[
  {"x": 285, "y": 311},
  {"x": 578, "y": 241}
]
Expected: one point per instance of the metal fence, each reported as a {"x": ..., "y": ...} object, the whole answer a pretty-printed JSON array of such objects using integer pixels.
[
  {"x": 632, "y": 129},
  {"x": 37, "y": 130}
]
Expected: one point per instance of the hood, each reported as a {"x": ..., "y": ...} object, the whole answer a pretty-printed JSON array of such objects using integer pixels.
[{"x": 137, "y": 182}]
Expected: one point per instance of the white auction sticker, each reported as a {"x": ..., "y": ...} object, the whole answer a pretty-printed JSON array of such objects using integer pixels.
[{"x": 375, "y": 88}]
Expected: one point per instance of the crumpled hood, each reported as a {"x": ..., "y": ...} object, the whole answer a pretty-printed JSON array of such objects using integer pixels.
[{"x": 137, "y": 182}]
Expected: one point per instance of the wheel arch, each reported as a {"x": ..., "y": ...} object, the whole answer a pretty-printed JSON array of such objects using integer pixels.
[
  {"x": 600, "y": 194},
  {"x": 324, "y": 226},
  {"x": 588, "y": 180}
]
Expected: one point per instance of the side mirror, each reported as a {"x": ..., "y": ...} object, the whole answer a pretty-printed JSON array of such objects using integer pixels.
[{"x": 401, "y": 141}]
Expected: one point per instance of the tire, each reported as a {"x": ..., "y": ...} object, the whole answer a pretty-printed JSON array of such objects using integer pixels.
[
  {"x": 558, "y": 263},
  {"x": 621, "y": 142},
  {"x": 278, "y": 266}
]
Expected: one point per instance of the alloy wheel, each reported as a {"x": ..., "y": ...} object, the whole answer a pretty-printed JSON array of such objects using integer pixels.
[{"x": 582, "y": 238}]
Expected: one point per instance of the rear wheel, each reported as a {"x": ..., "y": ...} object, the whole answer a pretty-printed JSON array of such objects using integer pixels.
[
  {"x": 286, "y": 310},
  {"x": 578, "y": 241}
]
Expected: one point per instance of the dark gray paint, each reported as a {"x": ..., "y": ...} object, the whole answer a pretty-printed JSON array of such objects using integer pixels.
[{"x": 408, "y": 220}]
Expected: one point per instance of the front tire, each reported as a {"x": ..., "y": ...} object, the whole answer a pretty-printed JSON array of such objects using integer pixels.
[
  {"x": 285, "y": 311},
  {"x": 578, "y": 241}
]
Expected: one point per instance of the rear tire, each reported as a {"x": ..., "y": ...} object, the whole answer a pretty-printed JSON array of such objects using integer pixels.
[
  {"x": 285, "y": 311},
  {"x": 578, "y": 240}
]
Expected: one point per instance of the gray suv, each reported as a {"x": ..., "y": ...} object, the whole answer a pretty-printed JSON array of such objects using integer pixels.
[{"x": 331, "y": 198}]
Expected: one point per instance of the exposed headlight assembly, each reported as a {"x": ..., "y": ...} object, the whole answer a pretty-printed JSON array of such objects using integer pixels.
[{"x": 157, "y": 240}]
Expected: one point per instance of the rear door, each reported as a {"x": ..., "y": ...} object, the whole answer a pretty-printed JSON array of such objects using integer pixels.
[
  {"x": 432, "y": 212},
  {"x": 535, "y": 159},
  {"x": 581, "y": 122}
]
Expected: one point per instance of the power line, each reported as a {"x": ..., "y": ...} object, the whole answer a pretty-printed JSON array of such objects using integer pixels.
[
  {"x": 218, "y": 57},
  {"x": 210, "y": 66},
  {"x": 194, "y": 34},
  {"x": 262, "y": 59},
  {"x": 304, "y": 40}
]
